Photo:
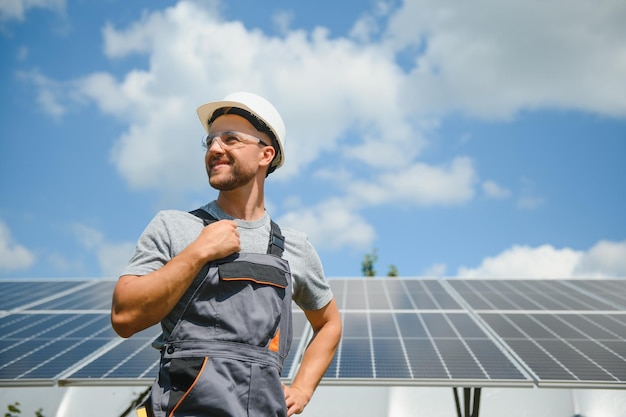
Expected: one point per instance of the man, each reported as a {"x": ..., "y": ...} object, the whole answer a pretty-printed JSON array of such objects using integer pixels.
[{"x": 221, "y": 279}]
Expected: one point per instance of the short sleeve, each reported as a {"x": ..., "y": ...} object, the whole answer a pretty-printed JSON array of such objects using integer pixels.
[{"x": 311, "y": 290}]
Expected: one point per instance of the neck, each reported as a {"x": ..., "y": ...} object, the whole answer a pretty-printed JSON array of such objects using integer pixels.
[{"x": 244, "y": 204}]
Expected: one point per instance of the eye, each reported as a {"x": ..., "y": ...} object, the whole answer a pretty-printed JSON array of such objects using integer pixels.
[
  {"x": 208, "y": 141},
  {"x": 231, "y": 139}
]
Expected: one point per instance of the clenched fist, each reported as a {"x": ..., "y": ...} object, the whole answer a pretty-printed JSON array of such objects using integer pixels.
[{"x": 218, "y": 240}]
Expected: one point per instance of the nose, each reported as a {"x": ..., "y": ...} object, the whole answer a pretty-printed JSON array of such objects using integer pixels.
[{"x": 212, "y": 147}]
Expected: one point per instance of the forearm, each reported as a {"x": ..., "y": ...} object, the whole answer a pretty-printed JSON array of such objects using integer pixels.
[
  {"x": 142, "y": 301},
  {"x": 316, "y": 359},
  {"x": 321, "y": 349}
]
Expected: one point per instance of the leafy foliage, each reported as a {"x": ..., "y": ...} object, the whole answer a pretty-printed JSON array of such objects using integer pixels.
[
  {"x": 13, "y": 410},
  {"x": 367, "y": 267},
  {"x": 370, "y": 259}
]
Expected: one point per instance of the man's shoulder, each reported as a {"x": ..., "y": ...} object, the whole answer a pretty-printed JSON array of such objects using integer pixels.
[
  {"x": 174, "y": 218},
  {"x": 296, "y": 240},
  {"x": 293, "y": 233}
]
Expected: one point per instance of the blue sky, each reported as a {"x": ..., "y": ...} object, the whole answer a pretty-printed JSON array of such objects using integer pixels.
[{"x": 473, "y": 139}]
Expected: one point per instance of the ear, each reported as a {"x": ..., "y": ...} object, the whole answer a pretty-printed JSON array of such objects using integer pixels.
[{"x": 266, "y": 156}]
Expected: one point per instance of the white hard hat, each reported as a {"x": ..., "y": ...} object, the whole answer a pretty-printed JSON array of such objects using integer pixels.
[{"x": 261, "y": 111}]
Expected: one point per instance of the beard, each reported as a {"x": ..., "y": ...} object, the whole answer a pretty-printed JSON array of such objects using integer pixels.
[{"x": 236, "y": 178}]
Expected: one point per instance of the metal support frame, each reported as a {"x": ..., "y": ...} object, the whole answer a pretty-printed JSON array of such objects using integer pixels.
[{"x": 471, "y": 401}]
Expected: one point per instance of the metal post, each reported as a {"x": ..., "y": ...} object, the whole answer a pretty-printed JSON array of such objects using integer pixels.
[
  {"x": 476, "y": 406},
  {"x": 456, "y": 401},
  {"x": 471, "y": 402}
]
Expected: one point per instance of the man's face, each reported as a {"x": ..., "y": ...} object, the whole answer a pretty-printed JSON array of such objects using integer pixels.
[{"x": 229, "y": 169}]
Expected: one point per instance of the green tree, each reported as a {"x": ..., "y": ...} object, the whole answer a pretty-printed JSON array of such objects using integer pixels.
[
  {"x": 15, "y": 411},
  {"x": 367, "y": 266},
  {"x": 369, "y": 260}
]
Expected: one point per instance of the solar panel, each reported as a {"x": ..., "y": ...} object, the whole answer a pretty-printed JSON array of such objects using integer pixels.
[
  {"x": 541, "y": 294},
  {"x": 37, "y": 348},
  {"x": 397, "y": 331},
  {"x": 22, "y": 293},
  {"x": 566, "y": 349},
  {"x": 414, "y": 332}
]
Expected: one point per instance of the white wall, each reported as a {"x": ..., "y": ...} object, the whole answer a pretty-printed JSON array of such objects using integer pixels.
[{"x": 341, "y": 401}]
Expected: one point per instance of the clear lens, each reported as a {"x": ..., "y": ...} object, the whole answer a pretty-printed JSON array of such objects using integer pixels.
[{"x": 230, "y": 140}]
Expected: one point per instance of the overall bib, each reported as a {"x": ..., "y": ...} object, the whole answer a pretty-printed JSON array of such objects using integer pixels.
[{"x": 225, "y": 354}]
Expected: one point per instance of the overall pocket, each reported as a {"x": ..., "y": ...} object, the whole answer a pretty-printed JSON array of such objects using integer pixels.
[
  {"x": 203, "y": 387},
  {"x": 184, "y": 374},
  {"x": 249, "y": 302}
]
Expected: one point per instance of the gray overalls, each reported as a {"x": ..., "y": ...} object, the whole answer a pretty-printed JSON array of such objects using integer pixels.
[{"x": 224, "y": 357}]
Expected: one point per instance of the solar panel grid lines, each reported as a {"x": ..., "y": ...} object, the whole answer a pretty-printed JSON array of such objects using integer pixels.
[
  {"x": 399, "y": 297},
  {"x": 521, "y": 300},
  {"x": 397, "y": 331},
  {"x": 341, "y": 294},
  {"x": 369, "y": 332},
  {"x": 26, "y": 294},
  {"x": 435, "y": 348},
  {"x": 473, "y": 298},
  {"x": 467, "y": 348},
  {"x": 508, "y": 365},
  {"x": 302, "y": 332},
  {"x": 391, "y": 323},
  {"x": 547, "y": 360},
  {"x": 40, "y": 331},
  {"x": 443, "y": 299},
  {"x": 561, "y": 356},
  {"x": 97, "y": 296},
  {"x": 575, "y": 300},
  {"x": 571, "y": 351},
  {"x": 129, "y": 360},
  {"x": 550, "y": 295},
  {"x": 599, "y": 359},
  {"x": 612, "y": 296},
  {"x": 46, "y": 353},
  {"x": 403, "y": 348},
  {"x": 594, "y": 329},
  {"x": 390, "y": 358},
  {"x": 100, "y": 366},
  {"x": 71, "y": 344}
]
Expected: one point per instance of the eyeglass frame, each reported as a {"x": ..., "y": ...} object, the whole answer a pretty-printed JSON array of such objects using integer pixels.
[{"x": 241, "y": 138}]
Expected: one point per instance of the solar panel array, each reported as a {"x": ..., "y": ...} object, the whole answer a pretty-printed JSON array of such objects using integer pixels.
[{"x": 423, "y": 332}]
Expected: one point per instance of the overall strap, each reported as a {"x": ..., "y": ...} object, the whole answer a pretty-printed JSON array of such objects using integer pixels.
[
  {"x": 276, "y": 245},
  {"x": 206, "y": 217}
]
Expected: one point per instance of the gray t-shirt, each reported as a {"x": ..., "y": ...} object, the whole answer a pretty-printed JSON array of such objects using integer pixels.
[{"x": 171, "y": 231}]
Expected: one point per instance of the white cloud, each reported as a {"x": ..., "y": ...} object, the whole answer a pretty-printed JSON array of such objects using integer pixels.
[
  {"x": 481, "y": 58},
  {"x": 13, "y": 256},
  {"x": 89, "y": 237},
  {"x": 605, "y": 259},
  {"x": 282, "y": 20},
  {"x": 16, "y": 9},
  {"x": 22, "y": 53},
  {"x": 112, "y": 257},
  {"x": 51, "y": 94},
  {"x": 435, "y": 270},
  {"x": 420, "y": 185},
  {"x": 322, "y": 86},
  {"x": 60, "y": 263},
  {"x": 529, "y": 199},
  {"x": 331, "y": 225},
  {"x": 493, "y": 190},
  {"x": 350, "y": 96}
]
